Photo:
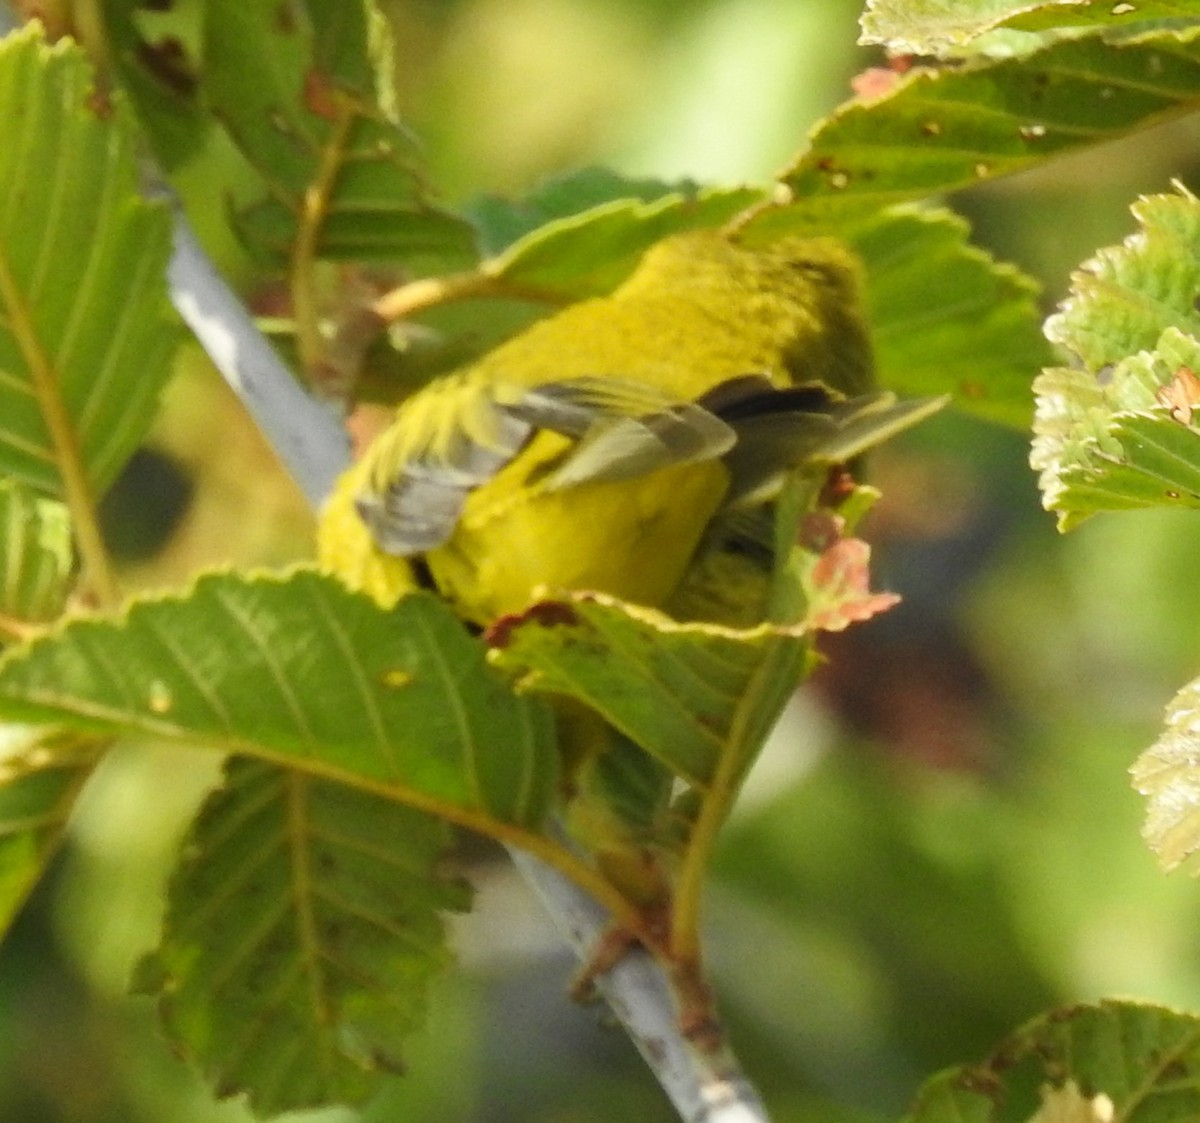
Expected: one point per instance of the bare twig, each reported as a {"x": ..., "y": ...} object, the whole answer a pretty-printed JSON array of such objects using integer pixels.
[{"x": 307, "y": 434}]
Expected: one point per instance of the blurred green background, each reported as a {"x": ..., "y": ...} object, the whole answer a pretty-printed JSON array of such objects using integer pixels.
[{"x": 940, "y": 842}]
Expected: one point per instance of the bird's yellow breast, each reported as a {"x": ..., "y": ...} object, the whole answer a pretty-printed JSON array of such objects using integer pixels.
[{"x": 634, "y": 542}]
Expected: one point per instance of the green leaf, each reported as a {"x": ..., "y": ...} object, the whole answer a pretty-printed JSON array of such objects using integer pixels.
[
  {"x": 1129, "y": 1060},
  {"x": 291, "y": 88},
  {"x": 1168, "y": 774},
  {"x": 1123, "y": 298},
  {"x": 945, "y": 27},
  {"x": 156, "y": 52},
  {"x": 1109, "y": 14},
  {"x": 932, "y": 27},
  {"x": 36, "y": 557},
  {"x": 302, "y": 672},
  {"x": 85, "y": 337},
  {"x": 503, "y": 221},
  {"x": 686, "y": 693},
  {"x": 41, "y": 772},
  {"x": 940, "y": 130},
  {"x": 1118, "y": 433},
  {"x": 945, "y": 317},
  {"x": 590, "y": 253},
  {"x": 302, "y": 933}
]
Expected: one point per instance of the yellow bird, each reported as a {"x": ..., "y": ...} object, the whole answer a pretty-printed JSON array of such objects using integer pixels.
[{"x": 616, "y": 445}]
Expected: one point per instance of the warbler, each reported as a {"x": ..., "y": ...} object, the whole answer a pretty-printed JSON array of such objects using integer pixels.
[{"x": 624, "y": 444}]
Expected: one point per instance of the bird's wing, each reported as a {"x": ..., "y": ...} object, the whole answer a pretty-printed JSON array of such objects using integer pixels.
[
  {"x": 458, "y": 434},
  {"x": 780, "y": 429}
]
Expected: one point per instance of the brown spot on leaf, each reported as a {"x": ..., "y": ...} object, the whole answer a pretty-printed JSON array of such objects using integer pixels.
[
  {"x": 168, "y": 64},
  {"x": 819, "y": 530},
  {"x": 99, "y": 103},
  {"x": 320, "y": 94},
  {"x": 547, "y": 614},
  {"x": 285, "y": 18}
]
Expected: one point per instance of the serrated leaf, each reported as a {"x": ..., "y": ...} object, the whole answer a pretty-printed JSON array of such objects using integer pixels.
[
  {"x": 36, "y": 557},
  {"x": 502, "y": 221},
  {"x": 302, "y": 932},
  {"x": 931, "y": 27},
  {"x": 300, "y": 671},
  {"x": 1112, "y": 15},
  {"x": 590, "y": 253},
  {"x": 938, "y": 131},
  {"x": 945, "y": 316},
  {"x": 1136, "y": 1061},
  {"x": 156, "y": 52},
  {"x": 1168, "y": 774},
  {"x": 688, "y": 694},
  {"x": 944, "y": 27},
  {"x": 41, "y": 773},
  {"x": 85, "y": 336},
  {"x": 287, "y": 83},
  {"x": 1123, "y": 299},
  {"x": 1110, "y": 436}
]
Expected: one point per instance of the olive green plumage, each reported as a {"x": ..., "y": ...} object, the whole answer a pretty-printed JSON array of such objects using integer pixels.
[{"x": 609, "y": 446}]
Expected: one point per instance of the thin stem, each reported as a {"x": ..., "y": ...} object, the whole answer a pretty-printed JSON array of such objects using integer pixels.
[
  {"x": 18, "y": 630},
  {"x": 714, "y": 810},
  {"x": 314, "y": 210},
  {"x": 67, "y": 453},
  {"x": 429, "y": 292}
]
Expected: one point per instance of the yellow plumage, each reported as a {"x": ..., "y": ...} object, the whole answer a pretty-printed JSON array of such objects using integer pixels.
[{"x": 596, "y": 449}]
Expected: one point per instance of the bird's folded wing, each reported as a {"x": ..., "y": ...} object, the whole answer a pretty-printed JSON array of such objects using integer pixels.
[{"x": 459, "y": 434}]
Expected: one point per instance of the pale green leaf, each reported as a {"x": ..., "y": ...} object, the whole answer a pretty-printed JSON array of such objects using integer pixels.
[
  {"x": 85, "y": 338},
  {"x": 688, "y": 694},
  {"x": 41, "y": 772},
  {"x": 1114, "y": 433},
  {"x": 300, "y": 671},
  {"x": 946, "y": 27},
  {"x": 1117, "y": 15},
  {"x": 36, "y": 556},
  {"x": 302, "y": 931},
  {"x": 1123, "y": 299},
  {"x": 939, "y": 130},
  {"x": 293, "y": 91},
  {"x": 502, "y": 220},
  {"x": 1134, "y": 1061},
  {"x": 591, "y": 252},
  {"x": 932, "y": 27},
  {"x": 1168, "y": 774}
]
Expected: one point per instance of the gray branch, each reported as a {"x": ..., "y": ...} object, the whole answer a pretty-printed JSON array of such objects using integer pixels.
[{"x": 307, "y": 435}]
